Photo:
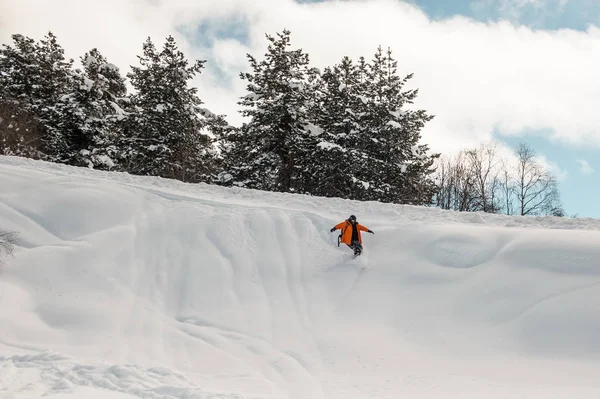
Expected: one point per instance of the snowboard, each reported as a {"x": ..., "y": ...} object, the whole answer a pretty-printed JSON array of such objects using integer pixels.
[{"x": 361, "y": 261}]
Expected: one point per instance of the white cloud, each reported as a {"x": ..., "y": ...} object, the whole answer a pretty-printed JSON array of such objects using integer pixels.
[
  {"x": 474, "y": 77},
  {"x": 553, "y": 167},
  {"x": 585, "y": 167}
]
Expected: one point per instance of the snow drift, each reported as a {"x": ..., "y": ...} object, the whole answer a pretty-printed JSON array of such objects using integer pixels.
[{"x": 127, "y": 286}]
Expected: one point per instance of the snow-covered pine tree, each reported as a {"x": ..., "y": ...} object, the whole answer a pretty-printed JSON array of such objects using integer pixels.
[
  {"x": 93, "y": 112},
  {"x": 55, "y": 73},
  {"x": 19, "y": 73},
  {"x": 274, "y": 150},
  {"x": 397, "y": 165},
  {"x": 34, "y": 77},
  {"x": 219, "y": 130},
  {"x": 20, "y": 131},
  {"x": 165, "y": 130},
  {"x": 338, "y": 157}
]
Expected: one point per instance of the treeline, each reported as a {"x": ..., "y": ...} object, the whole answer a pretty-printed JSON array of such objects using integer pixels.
[
  {"x": 347, "y": 131},
  {"x": 85, "y": 116},
  {"x": 480, "y": 179},
  {"x": 341, "y": 132}
]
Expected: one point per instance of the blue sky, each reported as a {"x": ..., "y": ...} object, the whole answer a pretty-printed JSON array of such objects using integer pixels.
[{"x": 538, "y": 14}]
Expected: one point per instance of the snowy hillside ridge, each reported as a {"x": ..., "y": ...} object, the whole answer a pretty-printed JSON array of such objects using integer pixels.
[
  {"x": 138, "y": 287},
  {"x": 235, "y": 195}
]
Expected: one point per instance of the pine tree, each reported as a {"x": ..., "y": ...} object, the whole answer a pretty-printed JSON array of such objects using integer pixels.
[
  {"x": 35, "y": 76},
  {"x": 274, "y": 149},
  {"x": 55, "y": 83},
  {"x": 165, "y": 130},
  {"x": 337, "y": 156},
  {"x": 19, "y": 79},
  {"x": 93, "y": 112},
  {"x": 20, "y": 130},
  {"x": 219, "y": 130},
  {"x": 397, "y": 166}
]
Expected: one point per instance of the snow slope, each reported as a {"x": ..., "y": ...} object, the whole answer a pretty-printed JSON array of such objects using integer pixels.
[{"x": 126, "y": 287}]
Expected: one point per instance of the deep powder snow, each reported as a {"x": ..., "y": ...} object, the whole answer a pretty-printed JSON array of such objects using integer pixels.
[{"x": 127, "y": 286}]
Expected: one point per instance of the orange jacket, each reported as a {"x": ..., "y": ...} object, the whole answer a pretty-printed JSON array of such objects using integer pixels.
[{"x": 346, "y": 228}]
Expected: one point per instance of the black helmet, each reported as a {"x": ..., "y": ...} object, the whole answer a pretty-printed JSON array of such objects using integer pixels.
[{"x": 352, "y": 218}]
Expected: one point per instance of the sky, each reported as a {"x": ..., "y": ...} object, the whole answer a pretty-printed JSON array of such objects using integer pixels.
[{"x": 505, "y": 70}]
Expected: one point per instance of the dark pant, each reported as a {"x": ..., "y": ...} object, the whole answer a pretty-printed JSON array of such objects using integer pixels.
[{"x": 356, "y": 247}]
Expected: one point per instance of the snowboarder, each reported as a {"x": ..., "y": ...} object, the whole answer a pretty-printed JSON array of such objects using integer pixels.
[{"x": 350, "y": 234}]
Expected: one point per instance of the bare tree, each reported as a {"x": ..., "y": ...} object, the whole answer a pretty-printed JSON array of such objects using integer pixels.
[
  {"x": 508, "y": 186},
  {"x": 536, "y": 188},
  {"x": 456, "y": 184},
  {"x": 470, "y": 181},
  {"x": 480, "y": 179},
  {"x": 464, "y": 185},
  {"x": 441, "y": 177},
  {"x": 8, "y": 240},
  {"x": 484, "y": 165}
]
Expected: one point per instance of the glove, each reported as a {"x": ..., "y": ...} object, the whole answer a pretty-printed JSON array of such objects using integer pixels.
[
  {"x": 370, "y": 232},
  {"x": 332, "y": 229}
]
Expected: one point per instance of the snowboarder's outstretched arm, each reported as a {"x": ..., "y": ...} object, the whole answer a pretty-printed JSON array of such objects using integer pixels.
[
  {"x": 363, "y": 228},
  {"x": 338, "y": 226}
]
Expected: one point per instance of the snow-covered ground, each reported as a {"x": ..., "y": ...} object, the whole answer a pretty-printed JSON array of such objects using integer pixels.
[{"x": 127, "y": 287}]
